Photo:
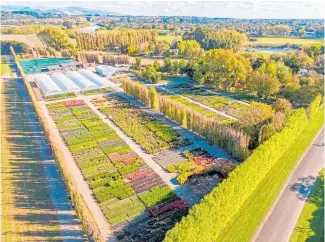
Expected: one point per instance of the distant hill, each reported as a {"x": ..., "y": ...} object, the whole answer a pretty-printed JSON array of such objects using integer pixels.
[{"x": 64, "y": 10}]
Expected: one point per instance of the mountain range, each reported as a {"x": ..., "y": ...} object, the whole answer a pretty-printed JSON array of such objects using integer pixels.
[{"x": 63, "y": 10}]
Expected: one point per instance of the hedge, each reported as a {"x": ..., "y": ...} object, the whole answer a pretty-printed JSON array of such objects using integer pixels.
[{"x": 207, "y": 220}]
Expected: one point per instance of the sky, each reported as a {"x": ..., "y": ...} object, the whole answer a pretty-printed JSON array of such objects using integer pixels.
[{"x": 231, "y": 9}]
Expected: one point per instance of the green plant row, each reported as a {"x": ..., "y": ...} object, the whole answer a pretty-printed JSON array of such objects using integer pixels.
[
  {"x": 232, "y": 140},
  {"x": 157, "y": 195},
  {"x": 118, "y": 212},
  {"x": 150, "y": 133}
]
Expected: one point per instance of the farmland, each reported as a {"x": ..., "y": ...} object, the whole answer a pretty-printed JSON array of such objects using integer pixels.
[
  {"x": 187, "y": 164},
  {"x": 286, "y": 40},
  {"x": 122, "y": 183},
  {"x": 201, "y": 95},
  {"x": 31, "y": 39}
]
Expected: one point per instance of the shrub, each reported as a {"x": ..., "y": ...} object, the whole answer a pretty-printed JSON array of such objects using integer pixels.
[
  {"x": 266, "y": 132},
  {"x": 283, "y": 105}
]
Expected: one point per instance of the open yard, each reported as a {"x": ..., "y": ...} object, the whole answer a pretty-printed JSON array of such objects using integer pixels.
[
  {"x": 286, "y": 40},
  {"x": 30, "y": 39}
]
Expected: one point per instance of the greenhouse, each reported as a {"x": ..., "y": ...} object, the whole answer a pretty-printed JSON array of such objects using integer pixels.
[
  {"x": 104, "y": 70},
  {"x": 100, "y": 82},
  {"x": 64, "y": 83},
  {"x": 81, "y": 81},
  {"x": 47, "y": 85}
]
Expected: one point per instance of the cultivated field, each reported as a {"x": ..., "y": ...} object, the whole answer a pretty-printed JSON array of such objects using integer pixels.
[
  {"x": 30, "y": 39},
  {"x": 286, "y": 40}
]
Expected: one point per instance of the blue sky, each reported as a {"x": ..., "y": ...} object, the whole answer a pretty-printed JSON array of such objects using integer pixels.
[{"x": 233, "y": 9}]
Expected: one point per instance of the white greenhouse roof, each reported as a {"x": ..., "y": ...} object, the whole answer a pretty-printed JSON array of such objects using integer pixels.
[
  {"x": 47, "y": 85},
  {"x": 81, "y": 81},
  {"x": 64, "y": 82},
  {"x": 107, "y": 70},
  {"x": 97, "y": 80}
]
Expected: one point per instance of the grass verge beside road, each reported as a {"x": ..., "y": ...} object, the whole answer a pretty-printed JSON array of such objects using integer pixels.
[
  {"x": 310, "y": 226},
  {"x": 246, "y": 222}
]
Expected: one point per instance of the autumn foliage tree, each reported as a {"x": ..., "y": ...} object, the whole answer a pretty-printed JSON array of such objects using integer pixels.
[
  {"x": 263, "y": 84},
  {"x": 222, "y": 69}
]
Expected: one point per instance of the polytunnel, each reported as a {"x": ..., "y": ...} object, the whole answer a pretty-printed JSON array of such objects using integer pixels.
[
  {"x": 47, "y": 85},
  {"x": 97, "y": 80},
  {"x": 81, "y": 81},
  {"x": 64, "y": 82}
]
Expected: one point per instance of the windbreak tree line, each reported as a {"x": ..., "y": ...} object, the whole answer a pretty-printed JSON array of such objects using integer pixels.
[
  {"x": 211, "y": 39},
  {"x": 234, "y": 141},
  {"x": 104, "y": 58},
  {"x": 207, "y": 219},
  {"x": 125, "y": 40}
]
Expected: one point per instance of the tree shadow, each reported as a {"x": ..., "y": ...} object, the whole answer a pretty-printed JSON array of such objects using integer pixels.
[
  {"x": 313, "y": 228},
  {"x": 303, "y": 188},
  {"x": 37, "y": 187}
]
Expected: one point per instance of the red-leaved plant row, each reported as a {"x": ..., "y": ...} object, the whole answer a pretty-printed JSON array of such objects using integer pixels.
[
  {"x": 74, "y": 103},
  {"x": 156, "y": 211},
  {"x": 126, "y": 158},
  {"x": 140, "y": 174}
]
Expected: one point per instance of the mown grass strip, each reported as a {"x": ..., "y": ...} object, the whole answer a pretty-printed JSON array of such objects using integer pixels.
[
  {"x": 310, "y": 226},
  {"x": 246, "y": 222}
]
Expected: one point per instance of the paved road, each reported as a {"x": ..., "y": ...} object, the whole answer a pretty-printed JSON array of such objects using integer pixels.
[{"x": 282, "y": 219}]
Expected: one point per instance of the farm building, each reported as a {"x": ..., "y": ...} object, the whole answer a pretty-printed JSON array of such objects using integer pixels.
[
  {"x": 104, "y": 70},
  {"x": 47, "y": 85},
  {"x": 66, "y": 85}
]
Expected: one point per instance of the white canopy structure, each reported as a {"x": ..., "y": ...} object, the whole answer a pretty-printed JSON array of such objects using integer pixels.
[
  {"x": 64, "y": 82},
  {"x": 47, "y": 85},
  {"x": 105, "y": 70},
  {"x": 81, "y": 81},
  {"x": 100, "y": 82}
]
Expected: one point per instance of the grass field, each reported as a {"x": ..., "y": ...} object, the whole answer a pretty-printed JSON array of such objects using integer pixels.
[
  {"x": 246, "y": 222},
  {"x": 286, "y": 40},
  {"x": 169, "y": 38},
  {"x": 30, "y": 39},
  {"x": 310, "y": 226}
]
